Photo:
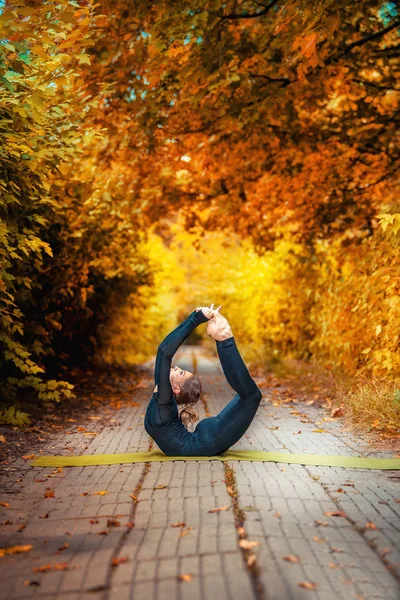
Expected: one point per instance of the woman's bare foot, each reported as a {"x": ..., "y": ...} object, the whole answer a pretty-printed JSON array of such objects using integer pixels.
[{"x": 218, "y": 327}]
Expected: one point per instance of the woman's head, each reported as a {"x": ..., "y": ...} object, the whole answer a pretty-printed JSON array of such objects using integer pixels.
[{"x": 187, "y": 390}]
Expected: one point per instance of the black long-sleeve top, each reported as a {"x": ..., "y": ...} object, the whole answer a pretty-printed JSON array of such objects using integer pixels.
[{"x": 213, "y": 435}]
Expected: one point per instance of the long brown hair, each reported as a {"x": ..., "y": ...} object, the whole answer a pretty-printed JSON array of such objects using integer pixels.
[{"x": 186, "y": 399}]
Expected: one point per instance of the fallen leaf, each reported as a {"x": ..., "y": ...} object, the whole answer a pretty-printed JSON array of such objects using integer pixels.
[
  {"x": 2, "y": 439},
  {"x": 102, "y": 493},
  {"x": 29, "y": 456},
  {"x": 241, "y": 531},
  {"x": 180, "y": 524},
  {"x": 333, "y": 566},
  {"x": 185, "y": 531},
  {"x": 130, "y": 524},
  {"x": 320, "y": 430},
  {"x": 336, "y": 513},
  {"x": 63, "y": 547},
  {"x": 292, "y": 559},
  {"x": 118, "y": 561},
  {"x": 32, "y": 582},
  {"x": 251, "y": 559},
  {"x": 318, "y": 539},
  {"x": 308, "y": 585},
  {"x": 333, "y": 549},
  {"x": 102, "y": 533},
  {"x": 247, "y": 544},
  {"x": 93, "y": 521},
  {"x": 215, "y": 510},
  {"x": 49, "y": 493},
  {"x": 370, "y": 526},
  {"x": 4, "y": 504},
  {"x": 321, "y": 523},
  {"x": 337, "y": 412},
  {"x": 113, "y": 523},
  {"x": 160, "y": 486},
  {"x": 84, "y": 494},
  {"x": 278, "y": 515},
  {"x": 185, "y": 577},
  {"x": 54, "y": 567},
  {"x": 15, "y": 549}
]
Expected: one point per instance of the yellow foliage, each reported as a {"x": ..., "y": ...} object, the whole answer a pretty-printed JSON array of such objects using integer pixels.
[
  {"x": 135, "y": 328},
  {"x": 339, "y": 306}
]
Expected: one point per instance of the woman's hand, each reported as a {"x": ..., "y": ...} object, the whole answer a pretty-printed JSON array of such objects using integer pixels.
[{"x": 208, "y": 311}]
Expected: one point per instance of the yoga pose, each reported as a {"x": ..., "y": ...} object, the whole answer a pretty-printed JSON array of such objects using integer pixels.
[{"x": 170, "y": 413}]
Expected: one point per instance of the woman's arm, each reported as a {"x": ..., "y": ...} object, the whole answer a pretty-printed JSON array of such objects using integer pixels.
[{"x": 166, "y": 351}]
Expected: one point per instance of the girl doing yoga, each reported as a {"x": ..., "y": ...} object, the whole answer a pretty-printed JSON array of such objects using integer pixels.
[{"x": 170, "y": 413}]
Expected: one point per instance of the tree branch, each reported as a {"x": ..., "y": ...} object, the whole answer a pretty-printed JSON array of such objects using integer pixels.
[
  {"x": 372, "y": 36},
  {"x": 283, "y": 80},
  {"x": 375, "y": 85},
  {"x": 248, "y": 16}
]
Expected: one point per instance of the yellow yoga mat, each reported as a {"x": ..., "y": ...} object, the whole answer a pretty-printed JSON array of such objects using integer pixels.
[{"x": 353, "y": 462}]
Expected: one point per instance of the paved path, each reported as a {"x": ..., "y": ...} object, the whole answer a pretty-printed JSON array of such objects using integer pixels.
[{"x": 270, "y": 511}]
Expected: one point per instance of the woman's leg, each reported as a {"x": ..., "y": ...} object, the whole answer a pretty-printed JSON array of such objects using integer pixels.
[
  {"x": 235, "y": 370},
  {"x": 236, "y": 417}
]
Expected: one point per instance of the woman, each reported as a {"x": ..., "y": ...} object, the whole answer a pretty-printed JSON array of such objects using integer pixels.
[{"x": 177, "y": 391}]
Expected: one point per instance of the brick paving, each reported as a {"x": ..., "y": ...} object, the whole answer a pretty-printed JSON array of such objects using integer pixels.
[{"x": 282, "y": 508}]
